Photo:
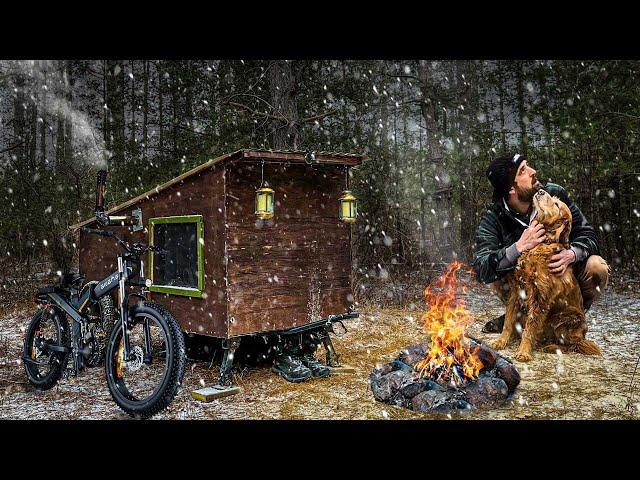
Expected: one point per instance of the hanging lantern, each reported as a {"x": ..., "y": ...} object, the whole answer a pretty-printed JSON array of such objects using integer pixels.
[
  {"x": 348, "y": 207},
  {"x": 264, "y": 203},
  {"x": 264, "y": 199}
]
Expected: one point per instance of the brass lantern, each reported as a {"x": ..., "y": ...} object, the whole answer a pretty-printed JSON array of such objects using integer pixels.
[
  {"x": 264, "y": 203},
  {"x": 348, "y": 207}
]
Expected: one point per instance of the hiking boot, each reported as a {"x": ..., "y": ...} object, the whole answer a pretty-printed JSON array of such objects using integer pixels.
[
  {"x": 494, "y": 326},
  {"x": 317, "y": 368},
  {"x": 291, "y": 369}
]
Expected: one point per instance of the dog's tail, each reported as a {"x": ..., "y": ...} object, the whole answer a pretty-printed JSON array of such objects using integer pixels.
[{"x": 585, "y": 347}]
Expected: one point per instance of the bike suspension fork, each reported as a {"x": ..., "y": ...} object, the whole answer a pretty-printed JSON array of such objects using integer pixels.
[
  {"x": 77, "y": 344},
  {"x": 148, "y": 354},
  {"x": 123, "y": 307}
]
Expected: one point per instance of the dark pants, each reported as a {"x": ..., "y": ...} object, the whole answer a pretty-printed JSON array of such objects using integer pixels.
[{"x": 592, "y": 275}]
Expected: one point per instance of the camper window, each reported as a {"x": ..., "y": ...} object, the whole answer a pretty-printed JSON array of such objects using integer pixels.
[{"x": 181, "y": 270}]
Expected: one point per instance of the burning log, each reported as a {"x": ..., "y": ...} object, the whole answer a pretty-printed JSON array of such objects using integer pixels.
[
  {"x": 449, "y": 358},
  {"x": 453, "y": 372},
  {"x": 487, "y": 356}
]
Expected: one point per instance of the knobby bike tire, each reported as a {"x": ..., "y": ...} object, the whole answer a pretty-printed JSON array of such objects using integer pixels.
[
  {"x": 175, "y": 357},
  {"x": 60, "y": 358}
]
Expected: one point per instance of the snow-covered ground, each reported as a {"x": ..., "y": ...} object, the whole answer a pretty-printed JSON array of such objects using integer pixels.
[{"x": 553, "y": 386}]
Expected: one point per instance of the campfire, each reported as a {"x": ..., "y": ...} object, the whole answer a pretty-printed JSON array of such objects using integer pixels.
[
  {"x": 450, "y": 359},
  {"x": 451, "y": 371}
]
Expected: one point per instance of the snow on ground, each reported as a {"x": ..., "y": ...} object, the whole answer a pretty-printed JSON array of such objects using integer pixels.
[{"x": 553, "y": 386}]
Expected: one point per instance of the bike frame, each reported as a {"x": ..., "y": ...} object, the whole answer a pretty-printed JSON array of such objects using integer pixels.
[{"x": 78, "y": 305}]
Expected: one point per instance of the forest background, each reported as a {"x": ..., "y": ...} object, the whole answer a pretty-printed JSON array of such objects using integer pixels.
[{"x": 429, "y": 130}]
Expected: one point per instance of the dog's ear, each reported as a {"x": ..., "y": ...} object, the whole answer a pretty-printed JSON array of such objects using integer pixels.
[{"x": 564, "y": 233}]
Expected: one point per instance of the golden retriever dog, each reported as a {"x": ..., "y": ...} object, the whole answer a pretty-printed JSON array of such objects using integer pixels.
[{"x": 547, "y": 307}]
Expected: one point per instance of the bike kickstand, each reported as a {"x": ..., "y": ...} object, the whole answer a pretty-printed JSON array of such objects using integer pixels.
[
  {"x": 333, "y": 358},
  {"x": 229, "y": 346}
]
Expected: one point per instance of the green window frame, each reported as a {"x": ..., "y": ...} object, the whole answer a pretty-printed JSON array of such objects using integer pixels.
[{"x": 172, "y": 290}]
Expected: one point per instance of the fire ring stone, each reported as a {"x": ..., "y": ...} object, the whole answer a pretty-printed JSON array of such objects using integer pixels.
[{"x": 397, "y": 383}]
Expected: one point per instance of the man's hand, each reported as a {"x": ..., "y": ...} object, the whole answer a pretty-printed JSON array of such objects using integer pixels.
[
  {"x": 560, "y": 261},
  {"x": 534, "y": 235}
]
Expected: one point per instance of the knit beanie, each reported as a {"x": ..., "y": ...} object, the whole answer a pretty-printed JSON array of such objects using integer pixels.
[{"x": 502, "y": 173}]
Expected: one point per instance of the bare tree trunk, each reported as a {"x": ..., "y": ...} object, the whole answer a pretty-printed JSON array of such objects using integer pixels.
[
  {"x": 68, "y": 128},
  {"x": 501, "y": 93},
  {"x": 397, "y": 177},
  {"x": 106, "y": 124},
  {"x": 188, "y": 109},
  {"x": 43, "y": 126},
  {"x": 465, "y": 78},
  {"x": 60, "y": 143},
  {"x": 132, "y": 125},
  {"x": 33, "y": 134},
  {"x": 423, "y": 202},
  {"x": 522, "y": 111},
  {"x": 443, "y": 193},
  {"x": 544, "y": 104},
  {"x": 19, "y": 118},
  {"x": 160, "y": 112},
  {"x": 174, "y": 109},
  {"x": 115, "y": 103},
  {"x": 286, "y": 134},
  {"x": 145, "y": 110}
]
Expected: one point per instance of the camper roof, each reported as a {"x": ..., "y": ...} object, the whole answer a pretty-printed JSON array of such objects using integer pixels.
[{"x": 288, "y": 156}]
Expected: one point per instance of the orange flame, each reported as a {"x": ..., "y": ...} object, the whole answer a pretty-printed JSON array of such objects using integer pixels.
[{"x": 450, "y": 359}]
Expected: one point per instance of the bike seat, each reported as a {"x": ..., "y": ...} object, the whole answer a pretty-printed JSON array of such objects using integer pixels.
[
  {"x": 45, "y": 290},
  {"x": 71, "y": 279}
]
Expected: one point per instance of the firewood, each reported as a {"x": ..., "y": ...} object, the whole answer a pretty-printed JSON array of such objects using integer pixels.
[
  {"x": 487, "y": 356},
  {"x": 483, "y": 343}
]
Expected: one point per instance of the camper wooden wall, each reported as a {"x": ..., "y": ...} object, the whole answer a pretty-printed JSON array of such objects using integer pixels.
[
  {"x": 202, "y": 194},
  {"x": 295, "y": 268}
]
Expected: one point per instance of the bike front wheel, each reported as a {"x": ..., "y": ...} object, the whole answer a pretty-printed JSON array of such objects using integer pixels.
[{"x": 146, "y": 382}]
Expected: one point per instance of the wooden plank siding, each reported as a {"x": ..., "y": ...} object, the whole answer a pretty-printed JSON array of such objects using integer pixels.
[
  {"x": 295, "y": 268},
  {"x": 260, "y": 275}
]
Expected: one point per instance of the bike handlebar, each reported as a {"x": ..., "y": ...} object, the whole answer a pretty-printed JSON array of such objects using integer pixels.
[
  {"x": 137, "y": 247},
  {"x": 102, "y": 233}
]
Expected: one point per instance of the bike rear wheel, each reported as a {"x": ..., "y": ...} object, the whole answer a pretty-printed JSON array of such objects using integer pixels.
[
  {"x": 148, "y": 381},
  {"x": 44, "y": 367}
]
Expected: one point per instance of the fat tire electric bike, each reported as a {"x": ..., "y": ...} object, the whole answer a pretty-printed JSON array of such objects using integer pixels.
[{"x": 144, "y": 351}]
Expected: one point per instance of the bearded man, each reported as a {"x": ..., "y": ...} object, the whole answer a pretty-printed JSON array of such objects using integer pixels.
[{"x": 509, "y": 229}]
